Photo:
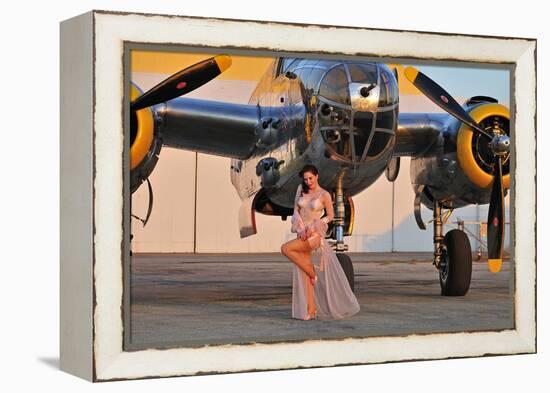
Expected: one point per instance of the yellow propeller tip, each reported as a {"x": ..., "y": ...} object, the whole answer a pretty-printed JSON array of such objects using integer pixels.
[
  {"x": 495, "y": 265},
  {"x": 411, "y": 73},
  {"x": 223, "y": 62}
]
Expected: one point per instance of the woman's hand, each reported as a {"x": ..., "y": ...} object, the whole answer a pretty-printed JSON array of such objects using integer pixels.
[
  {"x": 309, "y": 231},
  {"x": 302, "y": 235}
]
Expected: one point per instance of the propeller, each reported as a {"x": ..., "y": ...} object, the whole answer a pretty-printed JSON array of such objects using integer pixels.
[
  {"x": 183, "y": 82},
  {"x": 495, "y": 220},
  {"x": 441, "y": 98},
  {"x": 500, "y": 145}
]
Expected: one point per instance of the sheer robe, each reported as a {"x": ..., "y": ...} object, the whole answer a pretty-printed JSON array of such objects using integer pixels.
[{"x": 333, "y": 296}]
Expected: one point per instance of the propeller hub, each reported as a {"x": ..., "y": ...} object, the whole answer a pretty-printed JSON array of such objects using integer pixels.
[{"x": 500, "y": 144}]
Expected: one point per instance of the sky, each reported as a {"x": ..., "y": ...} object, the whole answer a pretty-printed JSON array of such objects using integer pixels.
[{"x": 471, "y": 81}]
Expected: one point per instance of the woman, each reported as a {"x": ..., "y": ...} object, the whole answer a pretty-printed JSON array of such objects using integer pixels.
[{"x": 320, "y": 287}]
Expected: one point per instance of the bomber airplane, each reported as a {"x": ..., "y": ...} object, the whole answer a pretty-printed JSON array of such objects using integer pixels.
[{"x": 343, "y": 117}]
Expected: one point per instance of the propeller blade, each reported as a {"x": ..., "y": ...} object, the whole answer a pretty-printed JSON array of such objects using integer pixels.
[
  {"x": 495, "y": 220},
  {"x": 441, "y": 98},
  {"x": 183, "y": 82}
]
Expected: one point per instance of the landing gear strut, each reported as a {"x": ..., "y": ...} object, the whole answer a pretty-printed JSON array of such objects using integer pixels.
[
  {"x": 452, "y": 257},
  {"x": 339, "y": 246},
  {"x": 339, "y": 215}
]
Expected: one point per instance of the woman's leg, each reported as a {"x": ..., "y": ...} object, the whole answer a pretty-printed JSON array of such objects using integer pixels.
[
  {"x": 298, "y": 251},
  {"x": 311, "y": 309}
]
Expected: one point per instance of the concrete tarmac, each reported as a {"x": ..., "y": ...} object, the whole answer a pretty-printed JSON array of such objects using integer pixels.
[{"x": 192, "y": 300}]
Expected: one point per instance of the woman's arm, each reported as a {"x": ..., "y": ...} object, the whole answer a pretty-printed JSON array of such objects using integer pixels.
[
  {"x": 298, "y": 226},
  {"x": 298, "y": 194},
  {"x": 329, "y": 209}
]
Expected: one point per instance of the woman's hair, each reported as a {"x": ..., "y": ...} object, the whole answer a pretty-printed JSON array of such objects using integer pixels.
[{"x": 307, "y": 168}]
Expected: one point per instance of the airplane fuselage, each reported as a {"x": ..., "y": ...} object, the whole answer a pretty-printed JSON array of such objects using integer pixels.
[{"x": 339, "y": 116}]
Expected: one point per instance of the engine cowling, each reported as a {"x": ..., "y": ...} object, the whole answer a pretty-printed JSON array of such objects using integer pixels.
[
  {"x": 457, "y": 169},
  {"x": 145, "y": 143},
  {"x": 473, "y": 152}
]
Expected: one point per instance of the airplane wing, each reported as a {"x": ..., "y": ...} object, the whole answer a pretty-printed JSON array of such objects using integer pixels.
[
  {"x": 417, "y": 132},
  {"x": 212, "y": 127}
]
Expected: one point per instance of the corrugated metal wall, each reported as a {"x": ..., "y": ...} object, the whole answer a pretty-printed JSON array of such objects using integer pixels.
[{"x": 177, "y": 224}]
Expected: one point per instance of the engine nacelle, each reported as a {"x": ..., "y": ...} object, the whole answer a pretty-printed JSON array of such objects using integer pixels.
[
  {"x": 473, "y": 151},
  {"x": 145, "y": 143},
  {"x": 457, "y": 169}
]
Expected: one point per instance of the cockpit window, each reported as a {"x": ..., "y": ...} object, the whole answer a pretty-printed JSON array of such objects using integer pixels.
[
  {"x": 394, "y": 88},
  {"x": 297, "y": 63},
  {"x": 363, "y": 73},
  {"x": 335, "y": 86},
  {"x": 389, "y": 93},
  {"x": 313, "y": 79},
  {"x": 285, "y": 63},
  {"x": 360, "y": 131}
]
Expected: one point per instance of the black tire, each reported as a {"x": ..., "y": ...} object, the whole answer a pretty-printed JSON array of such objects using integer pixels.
[
  {"x": 347, "y": 267},
  {"x": 455, "y": 270}
]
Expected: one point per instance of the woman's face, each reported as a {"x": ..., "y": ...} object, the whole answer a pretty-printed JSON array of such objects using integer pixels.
[{"x": 310, "y": 179}]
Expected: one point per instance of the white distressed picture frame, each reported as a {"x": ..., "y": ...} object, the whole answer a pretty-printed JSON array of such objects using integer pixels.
[{"x": 92, "y": 236}]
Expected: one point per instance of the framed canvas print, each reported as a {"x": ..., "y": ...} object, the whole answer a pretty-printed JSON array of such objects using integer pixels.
[{"x": 244, "y": 195}]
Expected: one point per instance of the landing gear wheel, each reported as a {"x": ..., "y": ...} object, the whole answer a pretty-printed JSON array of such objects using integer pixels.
[
  {"x": 455, "y": 269},
  {"x": 347, "y": 267}
]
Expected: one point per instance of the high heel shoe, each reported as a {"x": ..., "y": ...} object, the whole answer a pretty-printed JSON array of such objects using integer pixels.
[{"x": 309, "y": 317}]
